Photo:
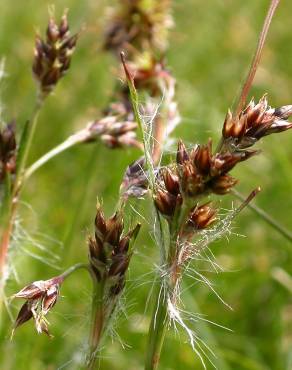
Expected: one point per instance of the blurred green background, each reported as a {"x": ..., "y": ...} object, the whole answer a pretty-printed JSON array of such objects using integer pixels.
[{"x": 210, "y": 50}]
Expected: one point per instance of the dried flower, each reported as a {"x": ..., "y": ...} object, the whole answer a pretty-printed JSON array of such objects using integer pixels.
[
  {"x": 109, "y": 253},
  {"x": 254, "y": 122},
  {"x": 201, "y": 217},
  {"x": 40, "y": 297},
  {"x": 52, "y": 56},
  {"x": 7, "y": 150}
]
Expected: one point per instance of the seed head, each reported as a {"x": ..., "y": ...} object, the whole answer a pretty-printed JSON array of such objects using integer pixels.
[
  {"x": 109, "y": 250},
  {"x": 165, "y": 202},
  {"x": 222, "y": 184},
  {"x": 254, "y": 122},
  {"x": 52, "y": 56},
  {"x": 201, "y": 217},
  {"x": 40, "y": 297}
]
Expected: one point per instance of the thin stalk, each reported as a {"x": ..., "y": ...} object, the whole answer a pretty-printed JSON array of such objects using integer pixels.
[
  {"x": 266, "y": 217},
  {"x": 135, "y": 104},
  {"x": 160, "y": 318},
  {"x": 97, "y": 323},
  {"x": 157, "y": 329},
  {"x": 65, "y": 145},
  {"x": 257, "y": 56},
  {"x": 25, "y": 144},
  {"x": 74, "y": 268}
]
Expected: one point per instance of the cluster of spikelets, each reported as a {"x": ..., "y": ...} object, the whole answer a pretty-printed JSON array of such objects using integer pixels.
[
  {"x": 53, "y": 55},
  {"x": 110, "y": 252},
  {"x": 202, "y": 171},
  {"x": 40, "y": 297},
  {"x": 199, "y": 172}
]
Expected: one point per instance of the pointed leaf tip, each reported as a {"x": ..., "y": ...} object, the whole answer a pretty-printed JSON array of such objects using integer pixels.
[{"x": 129, "y": 75}]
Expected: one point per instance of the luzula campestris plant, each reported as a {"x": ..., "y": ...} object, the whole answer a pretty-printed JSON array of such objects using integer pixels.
[{"x": 180, "y": 190}]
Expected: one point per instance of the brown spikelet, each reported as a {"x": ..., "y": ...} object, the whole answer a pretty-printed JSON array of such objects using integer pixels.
[
  {"x": 109, "y": 254},
  {"x": 52, "y": 56}
]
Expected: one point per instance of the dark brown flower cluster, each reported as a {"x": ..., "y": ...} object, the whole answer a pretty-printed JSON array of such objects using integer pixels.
[
  {"x": 109, "y": 251},
  {"x": 196, "y": 173},
  {"x": 53, "y": 55},
  {"x": 40, "y": 297},
  {"x": 7, "y": 150},
  {"x": 200, "y": 172},
  {"x": 255, "y": 121},
  {"x": 139, "y": 25}
]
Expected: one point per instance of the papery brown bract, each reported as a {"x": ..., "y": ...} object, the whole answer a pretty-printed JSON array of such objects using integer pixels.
[
  {"x": 254, "y": 122},
  {"x": 109, "y": 253},
  {"x": 40, "y": 297}
]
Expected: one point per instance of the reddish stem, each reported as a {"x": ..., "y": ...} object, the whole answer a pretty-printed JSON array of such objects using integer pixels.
[{"x": 257, "y": 56}]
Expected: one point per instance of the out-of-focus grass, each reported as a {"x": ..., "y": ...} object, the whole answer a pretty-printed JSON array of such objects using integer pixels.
[{"x": 211, "y": 47}]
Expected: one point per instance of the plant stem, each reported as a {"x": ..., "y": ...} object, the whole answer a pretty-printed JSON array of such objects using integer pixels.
[
  {"x": 25, "y": 144},
  {"x": 74, "y": 268},
  {"x": 257, "y": 55},
  {"x": 266, "y": 217},
  {"x": 67, "y": 144},
  {"x": 157, "y": 329},
  {"x": 138, "y": 118},
  {"x": 97, "y": 322},
  {"x": 160, "y": 318}
]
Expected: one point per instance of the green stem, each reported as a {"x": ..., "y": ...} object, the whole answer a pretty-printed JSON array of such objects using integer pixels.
[
  {"x": 74, "y": 268},
  {"x": 266, "y": 217},
  {"x": 25, "y": 144},
  {"x": 138, "y": 118},
  {"x": 157, "y": 329},
  {"x": 97, "y": 323},
  {"x": 65, "y": 145},
  {"x": 159, "y": 320}
]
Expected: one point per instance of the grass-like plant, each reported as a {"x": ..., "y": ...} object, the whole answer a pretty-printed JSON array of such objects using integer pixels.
[{"x": 183, "y": 191}]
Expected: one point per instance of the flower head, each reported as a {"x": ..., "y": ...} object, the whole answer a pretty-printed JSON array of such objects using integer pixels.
[
  {"x": 254, "y": 122},
  {"x": 40, "y": 297},
  {"x": 52, "y": 56},
  {"x": 109, "y": 250}
]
